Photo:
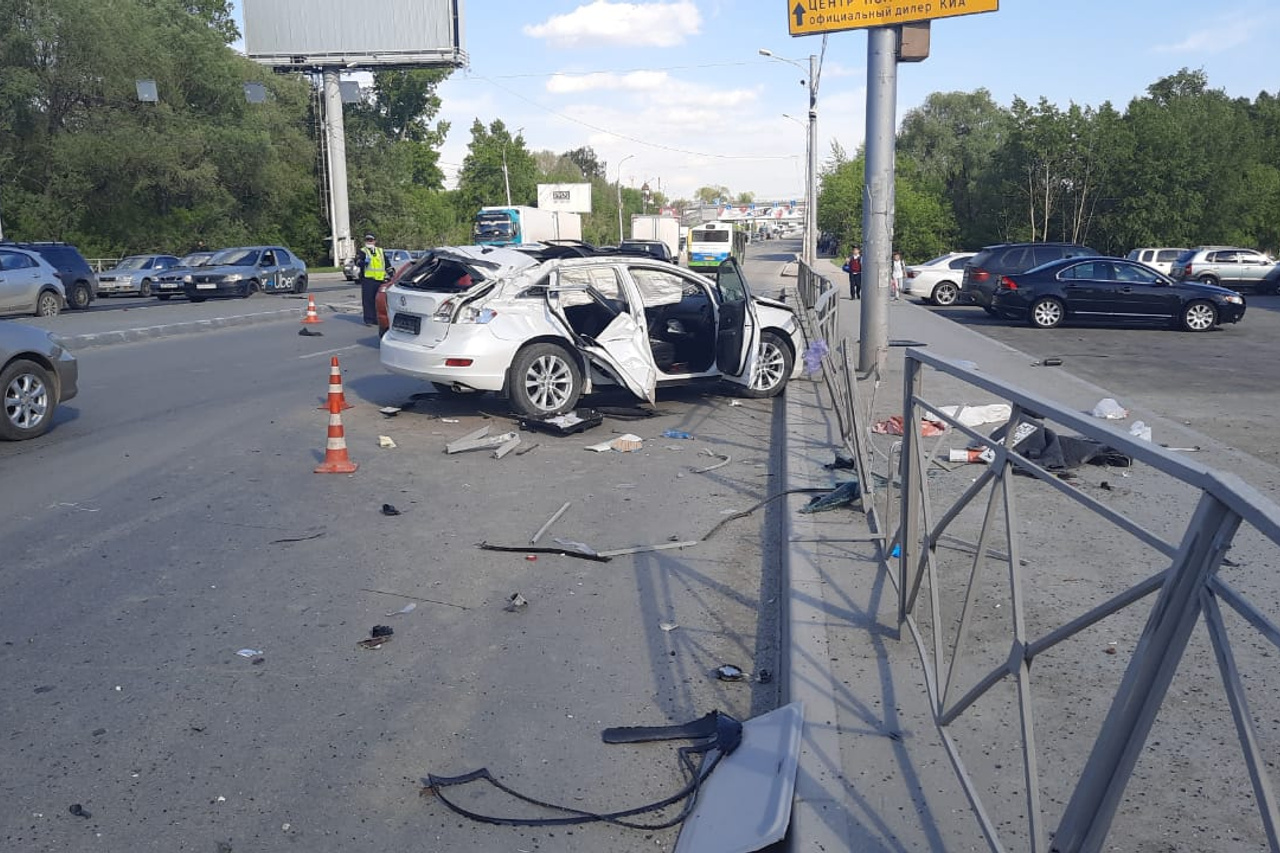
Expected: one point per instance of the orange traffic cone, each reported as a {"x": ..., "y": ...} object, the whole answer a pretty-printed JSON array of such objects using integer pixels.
[
  {"x": 311, "y": 315},
  {"x": 337, "y": 401},
  {"x": 336, "y": 460}
]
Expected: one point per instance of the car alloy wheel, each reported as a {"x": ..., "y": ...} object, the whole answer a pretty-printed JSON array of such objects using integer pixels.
[
  {"x": 1199, "y": 317},
  {"x": 48, "y": 304},
  {"x": 28, "y": 400},
  {"x": 144, "y": 289},
  {"x": 80, "y": 295},
  {"x": 1047, "y": 313},
  {"x": 772, "y": 368},
  {"x": 945, "y": 294},
  {"x": 545, "y": 380}
]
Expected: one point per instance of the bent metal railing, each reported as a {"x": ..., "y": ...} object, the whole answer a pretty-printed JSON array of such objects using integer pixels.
[{"x": 1188, "y": 588}]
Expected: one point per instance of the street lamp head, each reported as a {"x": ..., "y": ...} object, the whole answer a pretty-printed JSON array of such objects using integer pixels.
[{"x": 764, "y": 51}]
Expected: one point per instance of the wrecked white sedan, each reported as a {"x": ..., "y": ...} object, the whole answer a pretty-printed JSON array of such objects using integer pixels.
[{"x": 544, "y": 331}]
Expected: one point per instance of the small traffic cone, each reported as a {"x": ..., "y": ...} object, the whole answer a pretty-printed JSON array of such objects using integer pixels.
[
  {"x": 336, "y": 460},
  {"x": 311, "y": 315},
  {"x": 337, "y": 401}
]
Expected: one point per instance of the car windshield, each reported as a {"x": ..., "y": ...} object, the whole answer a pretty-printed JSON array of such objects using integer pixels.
[
  {"x": 195, "y": 259},
  {"x": 135, "y": 262},
  {"x": 234, "y": 258}
]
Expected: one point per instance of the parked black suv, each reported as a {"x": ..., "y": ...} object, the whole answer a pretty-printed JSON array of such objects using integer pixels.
[
  {"x": 652, "y": 248},
  {"x": 78, "y": 278},
  {"x": 982, "y": 272}
]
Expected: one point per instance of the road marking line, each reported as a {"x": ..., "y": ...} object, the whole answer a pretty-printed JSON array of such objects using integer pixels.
[{"x": 329, "y": 351}]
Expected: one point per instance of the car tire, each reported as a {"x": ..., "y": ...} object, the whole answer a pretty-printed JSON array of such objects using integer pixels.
[
  {"x": 163, "y": 297},
  {"x": 946, "y": 293},
  {"x": 1209, "y": 279},
  {"x": 1199, "y": 316},
  {"x": 80, "y": 296},
  {"x": 28, "y": 397},
  {"x": 144, "y": 289},
  {"x": 249, "y": 288},
  {"x": 774, "y": 362},
  {"x": 1047, "y": 313},
  {"x": 300, "y": 284},
  {"x": 544, "y": 380},
  {"x": 48, "y": 304}
]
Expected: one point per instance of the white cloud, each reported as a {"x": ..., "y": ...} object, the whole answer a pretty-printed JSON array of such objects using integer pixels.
[
  {"x": 603, "y": 23},
  {"x": 635, "y": 81},
  {"x": 1228, "y": 34}
]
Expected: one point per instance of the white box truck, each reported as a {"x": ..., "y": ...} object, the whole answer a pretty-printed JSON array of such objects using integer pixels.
[
  {"x": 517, "y": 225},
  {"x": 651, "y": 226}
]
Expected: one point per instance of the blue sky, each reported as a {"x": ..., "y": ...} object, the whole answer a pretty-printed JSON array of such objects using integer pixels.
[{"x": 679, "y": 89}]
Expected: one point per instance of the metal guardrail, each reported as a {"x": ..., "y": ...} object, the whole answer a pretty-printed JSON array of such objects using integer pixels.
[{"x": 969, "y": 665}]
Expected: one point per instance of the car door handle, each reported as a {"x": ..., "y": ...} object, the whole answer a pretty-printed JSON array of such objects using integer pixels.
[{"x": 1126, "y": 290}]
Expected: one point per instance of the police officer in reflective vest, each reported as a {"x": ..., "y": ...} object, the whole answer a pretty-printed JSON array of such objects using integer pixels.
[{"x": 372, "y": 264}]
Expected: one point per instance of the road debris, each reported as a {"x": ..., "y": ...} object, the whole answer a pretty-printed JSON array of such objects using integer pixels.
[
  {"x": 408, "y": 608},
  {"x": 297, "y": 538},
  {"x": 379, "y": 636},
  {"x": 507, "y": 447},
  {"x": 307, "y": 333},
  {"x": 479, "y": 440},
  {"x": 724, "y": 458},
  {"x": 676, "y": 433},
  {"x": 388, "y": 509},
  {"x": 729, "y": 672},
  {"x": 625, "y": 443},
  {"x": 598, "y": 558},
  {"x": 1109, "y": 409},
  {"x": 533, "y": 540},
  {"x": 390, "y": 411},
  {"x": 79, "y": 810},
  {"x": 844, "y": 494},
  {"x": 386, "y": 441},
  {"x": 249, "y": 653},
  {"x": 414, "y": 598},
  {"x": 568, "y": 423},
  {"x": 516, "y": 603}
]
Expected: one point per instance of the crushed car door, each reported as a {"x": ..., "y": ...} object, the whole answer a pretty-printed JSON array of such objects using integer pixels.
[
  {"x": 592, "y": 303},
  {"x": 737, "y": 328}
]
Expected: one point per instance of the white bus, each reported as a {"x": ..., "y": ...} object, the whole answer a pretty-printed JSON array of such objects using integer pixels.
[{"x": 713, "y": 242}]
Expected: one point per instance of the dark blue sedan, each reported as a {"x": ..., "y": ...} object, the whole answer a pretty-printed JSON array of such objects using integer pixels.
[{"x": 1114, "y": 290}]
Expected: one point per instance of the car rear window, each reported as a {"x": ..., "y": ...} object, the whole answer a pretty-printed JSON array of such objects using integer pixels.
[{"x": 440, "y": 275}]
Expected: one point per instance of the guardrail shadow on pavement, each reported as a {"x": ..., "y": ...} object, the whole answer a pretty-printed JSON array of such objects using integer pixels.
[{"x": 1118, "y": 591}]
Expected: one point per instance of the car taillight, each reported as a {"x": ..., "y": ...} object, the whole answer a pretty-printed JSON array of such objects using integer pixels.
[
  {"x": 981, "y": 275},
  {"x": 1187, "y": 271},
  {"x": 912, "y": 273},
  {"x": 444, "y": 313},
  {"x": 458, "y": 362},
  {"x": 1007, "y": 283}
]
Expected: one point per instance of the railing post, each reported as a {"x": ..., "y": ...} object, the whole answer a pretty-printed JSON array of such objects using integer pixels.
[
  {"x": 1093, "y": 804},
  {"x": 909, "y": 481}
]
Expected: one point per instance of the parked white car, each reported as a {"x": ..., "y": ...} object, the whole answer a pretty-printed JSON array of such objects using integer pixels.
[
  {"x": 937, "y": 281},
  {"x": 545, "y": 331},
  {"x": 1160, "y": 260}
]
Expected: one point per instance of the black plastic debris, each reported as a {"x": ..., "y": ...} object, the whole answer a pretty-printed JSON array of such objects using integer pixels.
[
  {"x": 714, "y": 737},
  {"x": 388, "y": 509},
  {"x": 843, "y": 462},
  {"x": 79, "y": 810},
  {"x": 845, "y": 494},
  {"x": 307, "y": 333},
  {"x": 569, "y": 423},
  {"x": 379, "y": 636},
  {"x": 729, "y": 672},
  {"x": 381, "y": 631}
]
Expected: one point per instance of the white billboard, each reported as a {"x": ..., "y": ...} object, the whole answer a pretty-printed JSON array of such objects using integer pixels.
[
  {"x": 305, "y": 34},
  {"x": 571, "y": 198}
]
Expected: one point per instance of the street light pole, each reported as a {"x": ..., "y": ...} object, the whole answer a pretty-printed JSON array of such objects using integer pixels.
[
  {"x": 506, "y": 178},
  {"x": 620, "y": 162},
  {"x": 809, "y": 251}
]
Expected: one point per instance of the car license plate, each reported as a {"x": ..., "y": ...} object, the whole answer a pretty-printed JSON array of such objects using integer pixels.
[
  {"x": 168, "y": 285},
  {"x": 410, "y": 323},
  {"x": 209, "y": 286}
]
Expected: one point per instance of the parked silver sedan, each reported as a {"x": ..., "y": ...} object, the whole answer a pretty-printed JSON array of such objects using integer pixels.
[
  {"x": 134, "y": 274},
  {"x": 36, "y": 375},
  {"x": 29, "y": 284}
]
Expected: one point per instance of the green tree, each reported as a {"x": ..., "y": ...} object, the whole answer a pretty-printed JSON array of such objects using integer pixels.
[{"x": 483, "y": 180}]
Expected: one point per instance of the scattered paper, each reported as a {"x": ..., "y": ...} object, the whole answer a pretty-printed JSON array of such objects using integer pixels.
[
  {"x": 385, "y": 441},
  {"x": 622, "y": 444}
]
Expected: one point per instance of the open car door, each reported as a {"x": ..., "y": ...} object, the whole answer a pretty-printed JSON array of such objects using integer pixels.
[
  {"x": 592, "y": 305},
  {"x": 737, "y": 329}
]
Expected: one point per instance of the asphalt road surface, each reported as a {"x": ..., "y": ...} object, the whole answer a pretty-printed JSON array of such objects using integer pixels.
[
  {"x": 1221, "y": 383},
  {"x": 171, "y": 519}
]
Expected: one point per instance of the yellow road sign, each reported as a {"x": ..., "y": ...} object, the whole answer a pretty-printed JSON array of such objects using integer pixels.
[{"x": 811, "y": 17}]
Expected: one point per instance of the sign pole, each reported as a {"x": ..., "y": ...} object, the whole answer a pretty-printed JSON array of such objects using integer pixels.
[
  {"x": 877, "y": 198},
  {"x": 336, "y": 138}
]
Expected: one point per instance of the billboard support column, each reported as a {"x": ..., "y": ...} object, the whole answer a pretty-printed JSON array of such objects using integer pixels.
[
  {"x": 336, "y": 151},
  {"x": 877, "y": 198}
]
